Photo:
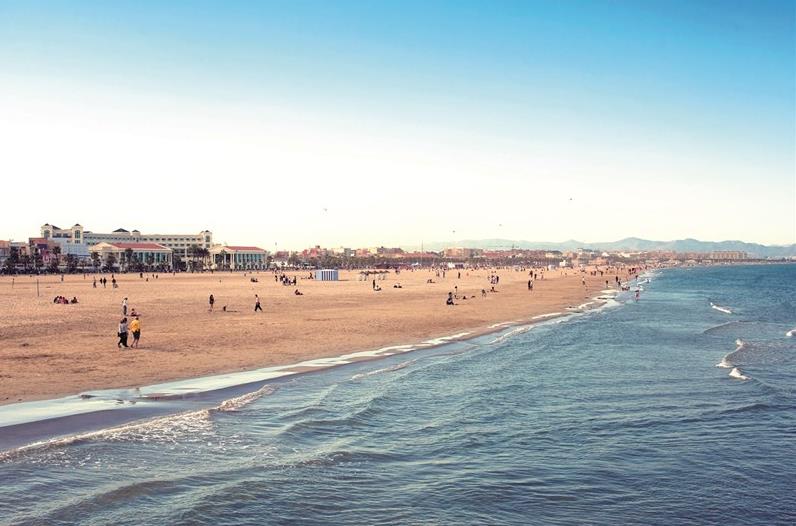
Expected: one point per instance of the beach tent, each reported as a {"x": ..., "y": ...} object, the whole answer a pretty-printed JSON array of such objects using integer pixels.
[{"x": 327, "y": 275}]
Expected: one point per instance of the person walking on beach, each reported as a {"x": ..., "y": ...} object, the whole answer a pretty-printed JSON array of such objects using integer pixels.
[
  {"x": 257, "y": 306},
  {"x": 135, "y": 328},
  {"x": 211, "y": 301},
  {"x": 122, "y": 332},
  {"x": 124, "y": 307}
]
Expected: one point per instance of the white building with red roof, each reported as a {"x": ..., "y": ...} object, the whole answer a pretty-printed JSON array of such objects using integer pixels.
[{"x": 132, "y": 255}]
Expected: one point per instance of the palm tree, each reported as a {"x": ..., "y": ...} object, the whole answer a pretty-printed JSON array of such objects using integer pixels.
[
  {"x": 37, "y": 259},
  {"x": 12, "y": 260},
  {"x": 24, "y": 260},
  {"x": 192, "y": 253},
  {"x": 128, "y": 258},
  {"x": 110, "y": 261},
  {"x": 55, "y": 258},
  {"x": 204, "y": 254},
  {"x": 95, "y": 260},
  {"x": 71, "y": 262}
]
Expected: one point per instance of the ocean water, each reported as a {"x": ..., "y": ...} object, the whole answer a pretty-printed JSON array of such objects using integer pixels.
[{"x": 679, "y": 408}]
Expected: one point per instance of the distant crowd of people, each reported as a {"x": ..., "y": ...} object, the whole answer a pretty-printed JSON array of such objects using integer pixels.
[{"x": 130, "y": 322}]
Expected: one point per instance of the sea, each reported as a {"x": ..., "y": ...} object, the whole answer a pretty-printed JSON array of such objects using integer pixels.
[{"x": 678, "y": 407}]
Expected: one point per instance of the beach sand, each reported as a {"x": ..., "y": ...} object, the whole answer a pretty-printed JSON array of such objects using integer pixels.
[{"x": 49, "y": 350}]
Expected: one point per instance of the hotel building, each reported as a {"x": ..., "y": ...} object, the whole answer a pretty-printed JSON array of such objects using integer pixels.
[{"x": 77, "y": 240}]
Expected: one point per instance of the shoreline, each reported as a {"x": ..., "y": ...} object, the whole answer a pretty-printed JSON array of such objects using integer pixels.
[
  {"x": 123, "y": 407},
  {"x": 49, "y": 351}
]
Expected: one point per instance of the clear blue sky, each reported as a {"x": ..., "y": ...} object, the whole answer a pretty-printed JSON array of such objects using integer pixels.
[{"x": 658, "y": 119}]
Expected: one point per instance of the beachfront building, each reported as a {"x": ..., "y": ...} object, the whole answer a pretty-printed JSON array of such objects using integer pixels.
[
  {"x": 42, "y": 251},
  {"x": 77, "y": 240},
  {"x": 131, "y": 255},
  {"x": 225, "y": 257},
  {"x": 728, "y": 255},
  {"x": 462, "y": 253},
  {"x": 70, "y": 240}
]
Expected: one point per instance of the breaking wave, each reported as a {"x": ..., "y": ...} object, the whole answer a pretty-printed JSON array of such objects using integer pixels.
[
  {"x": 719, "y": 308},
  {"x": 727, "y": 360},
  {"x": 395, "y": 367},
  {"x": 169, "y": 428}
]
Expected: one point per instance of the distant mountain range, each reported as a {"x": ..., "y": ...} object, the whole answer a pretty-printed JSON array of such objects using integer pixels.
[{"x": 629, "y": 244}]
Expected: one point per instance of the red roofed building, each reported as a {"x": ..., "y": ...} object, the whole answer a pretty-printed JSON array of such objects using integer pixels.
[
  {"x": 125, "y": 255},
  {"x": 238, "y": 257}
]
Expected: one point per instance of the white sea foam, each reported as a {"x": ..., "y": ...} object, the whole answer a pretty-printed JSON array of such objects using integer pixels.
[
  {"x": 511, "y": 333},
  {"x": 724, "y": 363},
  {"x": 395, "y": 367},
  {"x": 168, "y": 428},
  {"x": 719, "y": 308},
  {"x": 235, "y": 404},
  {"x": 548, "y": 315},
  {"x": 157, "y": 427},
  {"x": 736, "y": 373},
  {"x": 727, "y": 362},
  {"x": 790, "y": 333},
  {"x": 443, "y": 339}
]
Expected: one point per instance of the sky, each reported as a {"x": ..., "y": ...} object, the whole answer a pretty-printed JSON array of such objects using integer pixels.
[{"x": 288, "y": 124}]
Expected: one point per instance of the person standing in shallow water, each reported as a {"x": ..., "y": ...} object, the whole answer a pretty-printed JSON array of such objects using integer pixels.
[{"x": 122, "y": 332}]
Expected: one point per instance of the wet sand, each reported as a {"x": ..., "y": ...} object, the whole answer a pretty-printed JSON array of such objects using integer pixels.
[{"x": 49, "y": 350}]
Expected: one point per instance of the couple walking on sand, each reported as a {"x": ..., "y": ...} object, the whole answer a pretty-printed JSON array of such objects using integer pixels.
[
  {"x": 124, "y": 329},
  {"x": 257, "y": 307}
]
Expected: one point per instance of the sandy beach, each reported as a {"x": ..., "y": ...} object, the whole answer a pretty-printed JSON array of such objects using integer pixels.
[{"x": 49, "y": 350}]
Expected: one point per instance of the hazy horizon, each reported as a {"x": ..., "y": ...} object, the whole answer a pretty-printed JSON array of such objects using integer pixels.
[{"x": 350, "y": 124}]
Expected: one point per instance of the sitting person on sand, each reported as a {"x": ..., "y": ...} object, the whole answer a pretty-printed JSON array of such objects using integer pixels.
[
  {"x": 297, "y": 293},
  {"x": 450, "y": 299},
  {"x": 74, "y": 300}
]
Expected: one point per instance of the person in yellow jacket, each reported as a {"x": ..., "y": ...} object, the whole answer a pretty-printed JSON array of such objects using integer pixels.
[{"x": 135, "y": 328}]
